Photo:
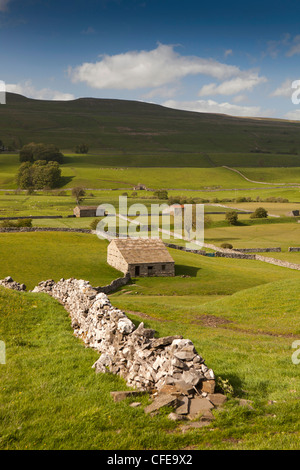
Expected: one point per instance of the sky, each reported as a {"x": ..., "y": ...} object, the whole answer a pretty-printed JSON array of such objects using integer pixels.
[{"x": 230, "y": 57}]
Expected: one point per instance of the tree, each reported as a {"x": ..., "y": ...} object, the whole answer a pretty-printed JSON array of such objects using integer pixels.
[
  {"x": 46, "y": 174},
  {"x": 161, "y": 194},
  {"x": 231, "y": 217},
  {"x": 24, "y": 176},
  {"x": 81, "y": 148},
  {"x": 259, "y": 213},
  {"x": 78, "y": 193},
  {"x": 33, "y": 152},
  {"x": 39, "y": 175}
]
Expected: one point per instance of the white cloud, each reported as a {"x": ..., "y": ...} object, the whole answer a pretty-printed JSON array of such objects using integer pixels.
[
  {"x": 275, "y": 47},
  {"x": 295, "y": 47},
  {"x": 293, "y": 115},
  {"x": 239, "y": 98},
  {"x": 88, "y": 31},
  {"x": 142, "y": 69},
  {"x": 293, "y": 50},
  {"x": 28, "y": 90},
  {"x": 3, "y": 4},
  {"x": 291, "y": 45},
  {"x": 210, "y": 106},
  {"x": 163, "y": 92},
  {"x": 246, "y": 81},
  {"x": 285, "y": 89},
  {"x": 228, "y": 52}
]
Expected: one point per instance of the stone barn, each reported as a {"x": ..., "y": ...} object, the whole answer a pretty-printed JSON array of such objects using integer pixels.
[
  {"x": 140, "y": 257},
  {"x": 89, "y": 211},
  {"x": 140, "y": 187},
  {"x": 294, "y": 213}
]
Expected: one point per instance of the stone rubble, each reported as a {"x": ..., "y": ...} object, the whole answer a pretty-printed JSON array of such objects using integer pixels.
[
  {"x": 169, "y": 368},
  {"x": 9, "y": 283}
]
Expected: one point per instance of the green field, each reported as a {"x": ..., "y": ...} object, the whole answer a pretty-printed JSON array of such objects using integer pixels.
[{"x": 241, "y": 315}]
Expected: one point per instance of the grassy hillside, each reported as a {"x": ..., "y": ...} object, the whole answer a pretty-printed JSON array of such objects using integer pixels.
[
  {"x": 50, "y": 398},
  {"x": 121, "y": 129},
  {"x": 33, "y": 257}
]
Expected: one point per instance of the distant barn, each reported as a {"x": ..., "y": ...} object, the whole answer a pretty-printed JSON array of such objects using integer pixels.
[
  {"x": 89, "y": 211},
  {"x": 294, "y": 213},
  {"x": 140, "y": 187},
  {"x": 140, "y": 257}
]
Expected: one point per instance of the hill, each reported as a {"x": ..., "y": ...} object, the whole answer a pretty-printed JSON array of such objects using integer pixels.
[{"x": 130, "y": 127}]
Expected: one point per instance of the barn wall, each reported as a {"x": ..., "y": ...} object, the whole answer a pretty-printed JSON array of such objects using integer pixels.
[
  {"x": 116, "y": 260},
  {"x": 155, "y": 271}
]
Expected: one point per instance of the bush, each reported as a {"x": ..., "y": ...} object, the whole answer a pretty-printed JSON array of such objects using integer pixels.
[
  {"x": 231, "y": 217},
  {"x": 38, "y": 175},
  {"x": 16, "y": 223},
  {"x": 259, "y": 213},
  {"x": 82, "y": 148},
  {"x": 161, "y": 194},
  {"x": 207, "y": 221},
  {"x": 24, "y": 222},
  {"x": 33, "y": 152},
  {"x": 78, "y": 193},
  {"x": 227, "y": 245}
]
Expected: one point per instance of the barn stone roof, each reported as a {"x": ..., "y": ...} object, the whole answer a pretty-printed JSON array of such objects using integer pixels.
[
  {"x": 87, "y": 207},
  {"x": 144, "y": 250}
]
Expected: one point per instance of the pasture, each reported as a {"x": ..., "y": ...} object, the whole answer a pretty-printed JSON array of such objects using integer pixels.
[
  {"x": 242, "y": 315},
  {"x": 238, "y": 313}
]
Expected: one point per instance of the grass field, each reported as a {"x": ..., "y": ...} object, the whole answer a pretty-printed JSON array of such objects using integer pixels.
[
  {"x": 93, "y": 171},
  {"x": 242, "y": 316},
  {"x": 256, "y": 236}
]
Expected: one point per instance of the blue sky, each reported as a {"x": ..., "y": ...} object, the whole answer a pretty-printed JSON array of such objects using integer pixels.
[{"x": 233, "y": 57}]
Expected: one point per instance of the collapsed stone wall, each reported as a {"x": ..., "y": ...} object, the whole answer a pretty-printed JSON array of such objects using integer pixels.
[
  {"x": 9, "y": 283},
  {"x": 144, "y": 361}
]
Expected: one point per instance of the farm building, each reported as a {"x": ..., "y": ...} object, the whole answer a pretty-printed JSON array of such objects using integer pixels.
[
  {"x": 89, "y": 211},
  {"x": 140, "y": 187},
  {"x": 294, "y": 213},
  {"x": 140, "y": 257}
]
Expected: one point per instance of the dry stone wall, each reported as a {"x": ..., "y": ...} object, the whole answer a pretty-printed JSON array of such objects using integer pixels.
[
  {"x": 144, "y": 361},
  {"x": 232, "y": 254},
  {"x": 9, "y": 283},
  {"x": 278, "y": 262},
  {"x": 43, "y": 229},
  {"x": 259, "y": 250}
]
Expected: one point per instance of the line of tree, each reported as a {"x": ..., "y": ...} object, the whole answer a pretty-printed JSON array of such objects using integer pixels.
[
  {"x": 39, "y": 175},
  {"x": 33, "y": 152},
  {"x": 81, "y": 148}
]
